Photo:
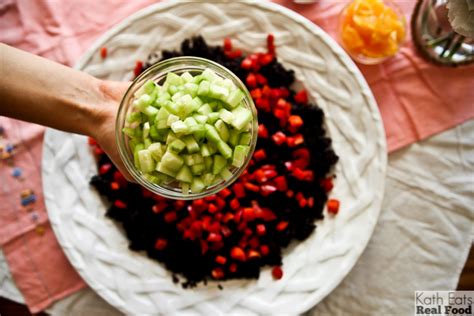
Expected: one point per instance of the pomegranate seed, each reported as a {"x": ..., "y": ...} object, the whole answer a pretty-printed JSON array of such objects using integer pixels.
[
  {"x": 204, "y": 246},
  {"x": 233, "y": 268},
  {"x": 301, "y": 153},
  {"x": 253, "y": 254},
  {"x": 261, "y": 230},
  {"x": 114, "y": 186},
  {"x": 228, "y": 217},
  {"x": 299, "y": 139},
  {"x": 254, "y": 243},
  {"x": 263, "y": 104},
  {"x": 227, "y": 44},
  {"x": 248, "y": 214},
  {"x": 209, "y": 198},
  {"x": 238, "y": 216},
  {"x": 105, "y": 168},
  {"x": 138, "y": 68},
  {"x": 267, "y": 189},
  {"x": 196, "y": 227},
  {"x": 239, "y": 190},
  {"x": 279, "y": 138},
  {"x": 277, "y": 273},
  {"x": 266, "y": 59},
  {"x": 262, "y": 131},
  {"x": 327, "y": 184},
  {"x": 221, "y": 259},
  {"x": 217, "y": 273},
  {"x": 218, "y": 217},
  {"x": 310, "y": 201},
  {"x": 220, "y": 203},
  {"x": 251, "y": 187},
  {"x": 120, "y": 179},
  {"x": 234, "y": 204},
  {"x": 301, "y": 97},
  {"x": 264, "y": 249},
  {"x": 261, "y": 79},
  {"x": 237, "y": 253},
  {"x": 246, "y": 64},
  {"x": 158, "y": 208},
  {"x": 160, "y": 244},
  {"x": 302, "y": 203},
  {"x": 224, "y": 193},
  {"x": 282, "y": 226},
  {"x": 266, "y": 91},
  {"x": 233, "y": 54},
  {"x": 295, "y": 122},
  {"x": 333, "y": 206},
  {"x": 91, "y": 141},
  {"x": 170, "y": 217},
  {"x": 270, "y": 174},
  {"x": 120, "y": 204},
  {"x": 226, "y": 231},
  {"x": 248, "y": 231},
  {"x": 290, "y": 193},
  {"x": 270, "y": 39},
  {"x": 251, "y": 81},
  {"x": 281, "y": 183},
  {"x": 260, "y": 154},
  {"x": 256, "y": 93},
  {"x": 268, "y": 215},
  {"x": 212, "y": 208},
  {"x": 215, "y": 227},
  {"x": 103, "y": 52},
  {"x": 98, "y": 151},
  {"x": 213, "y": 237}
]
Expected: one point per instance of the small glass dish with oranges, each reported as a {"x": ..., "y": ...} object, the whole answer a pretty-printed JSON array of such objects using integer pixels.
[{"x": 371, "y": 30}]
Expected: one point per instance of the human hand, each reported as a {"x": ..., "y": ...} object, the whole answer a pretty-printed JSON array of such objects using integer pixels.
[{"x": 102, "y": 128}]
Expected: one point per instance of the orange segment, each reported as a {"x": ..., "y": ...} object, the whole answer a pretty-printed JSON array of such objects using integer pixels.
[{"x": 371, "y": 28}]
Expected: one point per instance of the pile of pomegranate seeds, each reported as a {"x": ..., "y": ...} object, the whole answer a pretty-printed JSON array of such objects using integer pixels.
[{"x": 277, "y": 199}]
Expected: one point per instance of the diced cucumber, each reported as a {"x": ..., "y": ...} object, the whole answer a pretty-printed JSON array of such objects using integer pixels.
[
  {"x": 240, "y": 152},
  {"x": 164, "y": 170},
  {"x": 177, "y": 146},
  {"x": 224, "y": 149},
  {"x": 203, "y": 89},
  {"x": 234, "y": 137},
  {"x": 192, "y": 130},
  {"x": 208, "y": 161},
  {"x": 191, "y": 145},
  {"x": 185, "y": 188},
  {"x": 226, "y": 174},
  {"x": 205, "y": 109},
  {"x": 212, "y": 117},
  {"x": 242, "y": 117},
  {"x": 171, "y": 161},
  {"x": 209, "y": 75},
  {"x": 173, "y": 79},
  {"x": 218, "y": 91},
  {"x": 184, "y": 174},
  {"x": 226, "y": 116},
  {"x": 134, "y": 117},
  {"x": 191, "y": 88},
  {"x": 197, "y": 185},
  {"x": 222, "y": 129},
  {"x": 212, "y": 134},
  {"x": 147, "y": 164},
  {"x": 219, "y": 164},
  {"x": 171, "y": 119},
  {"x": 201, "y": 119},
  {"x": 157, "y": 150},
  {"x": 187, "y": 77},
  {"x": 245, "y": 138},
  {"x": 198, "y": 169},
  {"x": 179, "y": 127},
  {"x": 207, "y": 179}
]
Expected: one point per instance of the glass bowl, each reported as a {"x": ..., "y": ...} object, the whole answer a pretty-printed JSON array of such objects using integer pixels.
[
  {"x": 370, "y": 33},
  {"x": 157, "y": 73}
]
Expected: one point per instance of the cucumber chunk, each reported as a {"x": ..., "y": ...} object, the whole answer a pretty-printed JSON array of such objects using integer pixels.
[
  {"x": 184, "y": 175},
  {"x": 240, "y": 152}
]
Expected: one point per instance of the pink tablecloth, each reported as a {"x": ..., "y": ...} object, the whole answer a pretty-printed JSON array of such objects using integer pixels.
[{"x": 416, "y": 100}]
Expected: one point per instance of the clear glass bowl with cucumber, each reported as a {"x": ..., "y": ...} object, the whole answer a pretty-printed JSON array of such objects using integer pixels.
[{"x": 186, "y": 128}]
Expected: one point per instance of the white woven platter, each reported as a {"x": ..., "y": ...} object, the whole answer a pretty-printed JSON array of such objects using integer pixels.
[{"x": 134, "y": 284}]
